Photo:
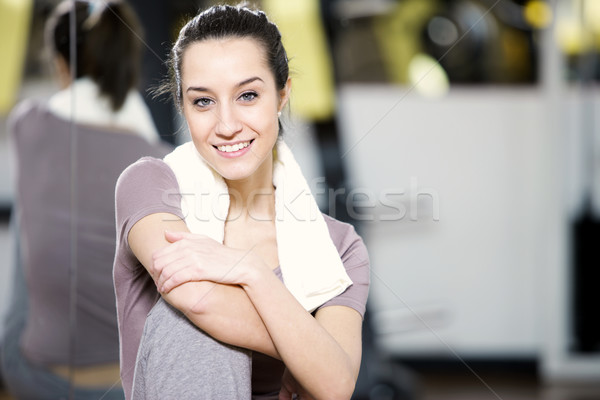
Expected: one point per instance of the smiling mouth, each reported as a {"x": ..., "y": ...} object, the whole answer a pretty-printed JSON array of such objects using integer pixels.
[{"x": 234, "y": 148}]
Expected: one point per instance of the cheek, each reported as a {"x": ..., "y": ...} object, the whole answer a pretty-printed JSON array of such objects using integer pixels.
[
  {"x": 262, "y": 121},
  {"x": 200, "y": 125}
]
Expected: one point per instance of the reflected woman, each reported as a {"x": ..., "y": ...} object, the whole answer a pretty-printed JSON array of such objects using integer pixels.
[{"x": 61, "y": 336}]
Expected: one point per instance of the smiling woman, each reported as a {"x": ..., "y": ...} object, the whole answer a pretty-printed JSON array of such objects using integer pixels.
[
  {"x": 231, "y": 106},
  {"x": 240, "y": 287}
]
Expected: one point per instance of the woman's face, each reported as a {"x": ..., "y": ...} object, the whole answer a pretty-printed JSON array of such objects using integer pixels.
[{"x": 230, "y": 102}]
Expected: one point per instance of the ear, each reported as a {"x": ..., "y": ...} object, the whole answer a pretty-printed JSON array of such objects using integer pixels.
[{"x": 284, "y": 94}]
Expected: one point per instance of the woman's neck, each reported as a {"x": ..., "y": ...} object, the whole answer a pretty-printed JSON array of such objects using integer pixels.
[{"x": 253, "y": 197}]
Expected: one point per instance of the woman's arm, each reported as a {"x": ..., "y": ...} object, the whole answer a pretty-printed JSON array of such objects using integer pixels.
[
  {"x": 322, "y": 353},
  {"x": 232, "y": 318}
]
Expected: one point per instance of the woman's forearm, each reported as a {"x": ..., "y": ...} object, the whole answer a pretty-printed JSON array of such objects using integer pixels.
[
  {"x": 224, "y": 312},
  {"x": 326, "y": 366}
]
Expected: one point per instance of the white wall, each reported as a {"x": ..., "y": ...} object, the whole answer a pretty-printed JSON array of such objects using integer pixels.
[{"x": 473, "y": 283}]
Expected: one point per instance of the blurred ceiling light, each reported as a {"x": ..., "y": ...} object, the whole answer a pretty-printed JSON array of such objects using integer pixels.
[
  {"x": 427, "y": 76},
  {"x": 576, "y": 21},
  {"x": 591, "y": 15},
  {"x": 442, "y": 31},
  {"x": 538, "y": 14},
  {"x": 570, "y": 36}
]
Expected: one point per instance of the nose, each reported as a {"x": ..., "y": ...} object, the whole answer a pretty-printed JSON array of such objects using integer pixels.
[{"x": 228, "y": 122}]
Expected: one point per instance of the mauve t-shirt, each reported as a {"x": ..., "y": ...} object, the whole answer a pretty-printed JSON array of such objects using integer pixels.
[{"x": 149, "y": 186}]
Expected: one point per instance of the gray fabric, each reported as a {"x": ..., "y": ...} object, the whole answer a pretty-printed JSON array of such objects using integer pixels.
[
  {"x": 45, "y": 179},
  {"x": 212, "y": 370}
]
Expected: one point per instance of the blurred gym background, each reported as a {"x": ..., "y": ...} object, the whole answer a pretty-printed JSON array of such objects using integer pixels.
[{"x": 461, "y": 138}]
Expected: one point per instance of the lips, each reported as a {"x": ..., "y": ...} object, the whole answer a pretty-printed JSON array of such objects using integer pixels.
[{"x": 233, "y": 148}]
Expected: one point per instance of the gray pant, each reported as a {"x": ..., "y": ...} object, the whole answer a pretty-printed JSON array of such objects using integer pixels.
[{"x": 176, "y": 360}]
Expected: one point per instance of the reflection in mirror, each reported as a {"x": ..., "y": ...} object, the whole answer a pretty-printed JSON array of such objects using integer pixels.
[{"x": 61, "y": 335}]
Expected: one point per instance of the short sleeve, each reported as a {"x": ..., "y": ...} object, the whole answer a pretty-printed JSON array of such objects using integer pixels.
[
  {"x": 356, "y": 261},
  {"x": 146, "y": 187}
]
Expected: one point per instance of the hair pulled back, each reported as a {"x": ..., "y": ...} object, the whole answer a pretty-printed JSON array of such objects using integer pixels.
[
  {"x": 108, "y": 48},
  {"x": 224, "y": 21}
]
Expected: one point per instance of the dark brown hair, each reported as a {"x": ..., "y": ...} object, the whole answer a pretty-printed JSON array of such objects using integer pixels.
[
  {"x": 226, "y": 21},
  {"x": 108, "y": 45}
]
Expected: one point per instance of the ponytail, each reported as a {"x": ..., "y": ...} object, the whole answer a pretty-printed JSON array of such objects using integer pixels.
[
  {"x": 113, "y": 49},
  {"x": 108, "y": 44}
]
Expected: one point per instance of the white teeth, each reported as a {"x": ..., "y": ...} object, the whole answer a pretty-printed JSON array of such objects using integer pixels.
[{"x": 235, "y": 147}]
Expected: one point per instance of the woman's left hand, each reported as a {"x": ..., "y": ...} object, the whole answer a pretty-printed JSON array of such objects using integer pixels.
[{"x": 191, "y": 257}]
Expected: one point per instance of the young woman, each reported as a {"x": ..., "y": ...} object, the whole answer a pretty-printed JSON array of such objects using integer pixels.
[
  {"x": 208, "y": 236},
  {"x": 61, "y": 336}
]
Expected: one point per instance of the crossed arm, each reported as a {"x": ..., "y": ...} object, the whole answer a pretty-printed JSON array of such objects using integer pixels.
[{"x": 233, "y": 296}]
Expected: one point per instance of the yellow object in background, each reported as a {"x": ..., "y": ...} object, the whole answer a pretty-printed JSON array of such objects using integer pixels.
[
  {"x": 15, "y": 17},
  {"x": 300, "y": 23},
  {"x": 538, "y": 14},
  {"x": 398, "y": 35},
  {"x": 577, "y": 27}
]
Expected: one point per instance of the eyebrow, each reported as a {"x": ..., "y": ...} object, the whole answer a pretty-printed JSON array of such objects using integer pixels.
[{"x": 242, "y": 83}]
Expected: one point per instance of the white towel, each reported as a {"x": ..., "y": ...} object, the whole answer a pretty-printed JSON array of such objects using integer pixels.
[{"x": 310, "y": 264}]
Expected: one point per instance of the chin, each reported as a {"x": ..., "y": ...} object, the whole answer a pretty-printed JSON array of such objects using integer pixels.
[
  {"x": 234, "y": 174},
  {"x": 242, "y": 168}
]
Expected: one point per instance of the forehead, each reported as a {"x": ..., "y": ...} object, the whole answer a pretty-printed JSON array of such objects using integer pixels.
[{"x": 223, "y": 60}]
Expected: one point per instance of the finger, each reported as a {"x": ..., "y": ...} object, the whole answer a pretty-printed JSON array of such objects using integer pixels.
[
  {"x": 183, "y": 274},
  {"x": 170, "y": 270},
  {"x": 178, "y": 245},
  {"x": 173, "y": 236},
  {"x": 198, "y": 244},
  {"x": 179, "y": 278},
  {"x": 177, "y": 238},
  {"x": 162, "y": 259}
]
